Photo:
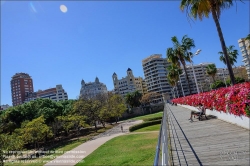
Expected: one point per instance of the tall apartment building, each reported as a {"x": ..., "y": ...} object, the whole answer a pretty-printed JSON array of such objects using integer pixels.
[
  {"x": 245, "y": 50},
  {"x": 21, "y": 85},
  {"x": 203, "y": 80},
  {"x": 222, "y": 74},
  {"x": 91, "y": 89},
  {"x": 128, "y": 84},
  {"x": 55, "y": 94},
  {"x": 155, "y": 73}
]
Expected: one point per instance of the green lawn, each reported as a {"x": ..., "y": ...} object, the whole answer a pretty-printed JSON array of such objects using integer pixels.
[
  {"x": 158, "y": 114},
  {"x": 67, "y": 146},
  {"x": 133, "y": 149},
  {"x": 149, "y": 128}
]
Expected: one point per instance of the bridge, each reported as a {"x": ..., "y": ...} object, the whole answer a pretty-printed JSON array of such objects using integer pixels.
[{"x": 206, "y": 142}]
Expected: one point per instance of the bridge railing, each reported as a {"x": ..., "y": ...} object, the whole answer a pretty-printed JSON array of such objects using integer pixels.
[{"x": 163, "y": 140}]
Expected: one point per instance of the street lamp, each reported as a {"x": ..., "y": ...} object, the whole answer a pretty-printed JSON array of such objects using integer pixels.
[{"x": 196, "y": 53}]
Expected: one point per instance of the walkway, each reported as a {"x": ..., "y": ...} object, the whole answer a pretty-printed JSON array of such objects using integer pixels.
[
  {"x": 206, "y": 142},
  {"x": 77, "y": 154}
]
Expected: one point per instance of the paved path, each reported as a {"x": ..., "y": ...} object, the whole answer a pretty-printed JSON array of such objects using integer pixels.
[
  {"x": 77, "y": 154},
  {"x": 206, "y": 142}
]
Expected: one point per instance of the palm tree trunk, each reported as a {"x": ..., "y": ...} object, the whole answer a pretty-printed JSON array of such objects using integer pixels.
[
  {"x": 222, "y": 41},
  {"x": 184, "y": 66},
  {"x": 213, "y": 79}
]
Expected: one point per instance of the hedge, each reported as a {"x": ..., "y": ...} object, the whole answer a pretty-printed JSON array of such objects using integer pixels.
[
  {"x": 145, "y": 124},
  {"x": 151, "y": 119}
]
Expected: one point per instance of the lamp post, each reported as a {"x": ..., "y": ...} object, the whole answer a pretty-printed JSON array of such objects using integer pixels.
[
  {"x": 181, "y": 86},
  {"x": 196, "y": 53}
]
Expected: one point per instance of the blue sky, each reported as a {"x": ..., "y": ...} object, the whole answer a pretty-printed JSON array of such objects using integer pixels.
[{"x": 102, "y": 37}]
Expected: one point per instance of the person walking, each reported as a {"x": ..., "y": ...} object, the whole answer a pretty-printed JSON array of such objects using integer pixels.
[{"x": 122, "y": 128}]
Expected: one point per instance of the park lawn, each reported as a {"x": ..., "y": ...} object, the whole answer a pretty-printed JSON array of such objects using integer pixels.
[
  {"x": 158, "y": 114},
  {"x": 131, "y": 149},
  {"x": 149, "y": 128},
  {"x": 67, "y": 146}
]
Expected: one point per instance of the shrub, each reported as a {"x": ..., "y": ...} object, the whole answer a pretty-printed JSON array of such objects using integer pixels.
[
  {"x": 218, "y": 84},
  {"x": 145, "y": 124},
  {"x": 237, "y": 80},
  {"x": 151, "y": 119}
]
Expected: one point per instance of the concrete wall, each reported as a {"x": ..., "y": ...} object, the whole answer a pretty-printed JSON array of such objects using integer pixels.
[{"x": 241, "y": 121}]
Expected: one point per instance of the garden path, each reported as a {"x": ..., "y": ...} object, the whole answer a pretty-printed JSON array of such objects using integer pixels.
[{"x": 77, "y": 154}]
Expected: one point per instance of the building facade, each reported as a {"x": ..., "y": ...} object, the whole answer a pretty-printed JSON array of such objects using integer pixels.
[
  {"x": 91, "y": 89},
  {"x": 245, "y": 50},
  {"x": 55, "y": 94},
  {"x": 21, "y": 85},
  {"x": 204, "y": 81},
  {"x": 128, "y": 84},
  {"x": 4, "y": 107},
  {"x": 155, "y": 73}
]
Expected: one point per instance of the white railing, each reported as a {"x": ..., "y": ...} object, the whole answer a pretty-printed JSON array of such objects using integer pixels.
[{"x": 162, "y": 144}]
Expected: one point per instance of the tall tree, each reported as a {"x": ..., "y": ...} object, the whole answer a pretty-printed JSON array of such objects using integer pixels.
[
  {"x": 202, "y": 8},
  {"x": 133, "y": 99},
  {"x": 232, "y": 53},
  {"x": 211, "y": 70},
  {"x": 179, "y": 54}
]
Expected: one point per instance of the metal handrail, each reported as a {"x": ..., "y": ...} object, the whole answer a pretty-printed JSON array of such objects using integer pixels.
[{"x": 162, "y": 143}]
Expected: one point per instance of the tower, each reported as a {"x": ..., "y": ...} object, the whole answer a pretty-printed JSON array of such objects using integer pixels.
[{"x": 21, "y": 85}]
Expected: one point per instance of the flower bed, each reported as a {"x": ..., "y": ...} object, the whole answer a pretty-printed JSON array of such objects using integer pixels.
[{"x": 234, "y": 99}]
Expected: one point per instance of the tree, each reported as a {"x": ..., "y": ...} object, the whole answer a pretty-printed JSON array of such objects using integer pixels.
[
  {"x": 119, "y": 106},
  {"x": 232, "y": 53},
  {"x": 148, "y": 98},
  {"x": 211, "y": 70},
  {"x": 179, "y": 53},
  {"x": 89, "y": 107},
  {"x": 133, "y": 99},
  {"x": 34, "y": 131},
  {"x": 202, "y": 8}
]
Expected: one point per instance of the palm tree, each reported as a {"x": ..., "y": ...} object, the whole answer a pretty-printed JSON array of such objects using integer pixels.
[
  {"x": 233, "y": 53},
  {"x": 179, "y": 53},
  {"x": 211, "y": 70},
  {"x": 202, "y": 8},
  {"x": 173, "y": 74}
]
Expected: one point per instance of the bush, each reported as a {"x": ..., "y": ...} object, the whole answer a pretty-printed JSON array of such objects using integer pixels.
[
  {"x": 145, "y": 124},
  {"x": 237, "y": 80},
  {"x": 152, "y": 119},
  {"x": 218, "y": 84}
]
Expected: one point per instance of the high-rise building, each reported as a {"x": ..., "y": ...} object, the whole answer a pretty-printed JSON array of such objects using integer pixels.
[
  {"x": 155, "y": 73},
  {"x": 91, "y": 89},
  {"x": 55, "y": 94},
  {"x": 245, "y": 50},
  {"x": 128, "y": 84},
  {"x": 203, "y": 80},
  {"x": 21, "y": 85}
]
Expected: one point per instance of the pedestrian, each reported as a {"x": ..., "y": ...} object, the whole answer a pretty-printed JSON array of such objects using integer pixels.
[{"x": 121, "y": 128}]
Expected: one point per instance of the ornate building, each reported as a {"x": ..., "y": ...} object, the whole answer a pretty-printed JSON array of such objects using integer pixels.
[
  {"x": 128, "y": 84},
  {"x": 91, "y": 89}
]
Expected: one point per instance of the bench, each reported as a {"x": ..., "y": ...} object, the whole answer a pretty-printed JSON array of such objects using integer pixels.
[{"x": 201, "y": 114}]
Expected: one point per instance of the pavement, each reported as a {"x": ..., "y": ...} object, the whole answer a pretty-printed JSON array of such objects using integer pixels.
[{"x": 72, "y": 157}]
